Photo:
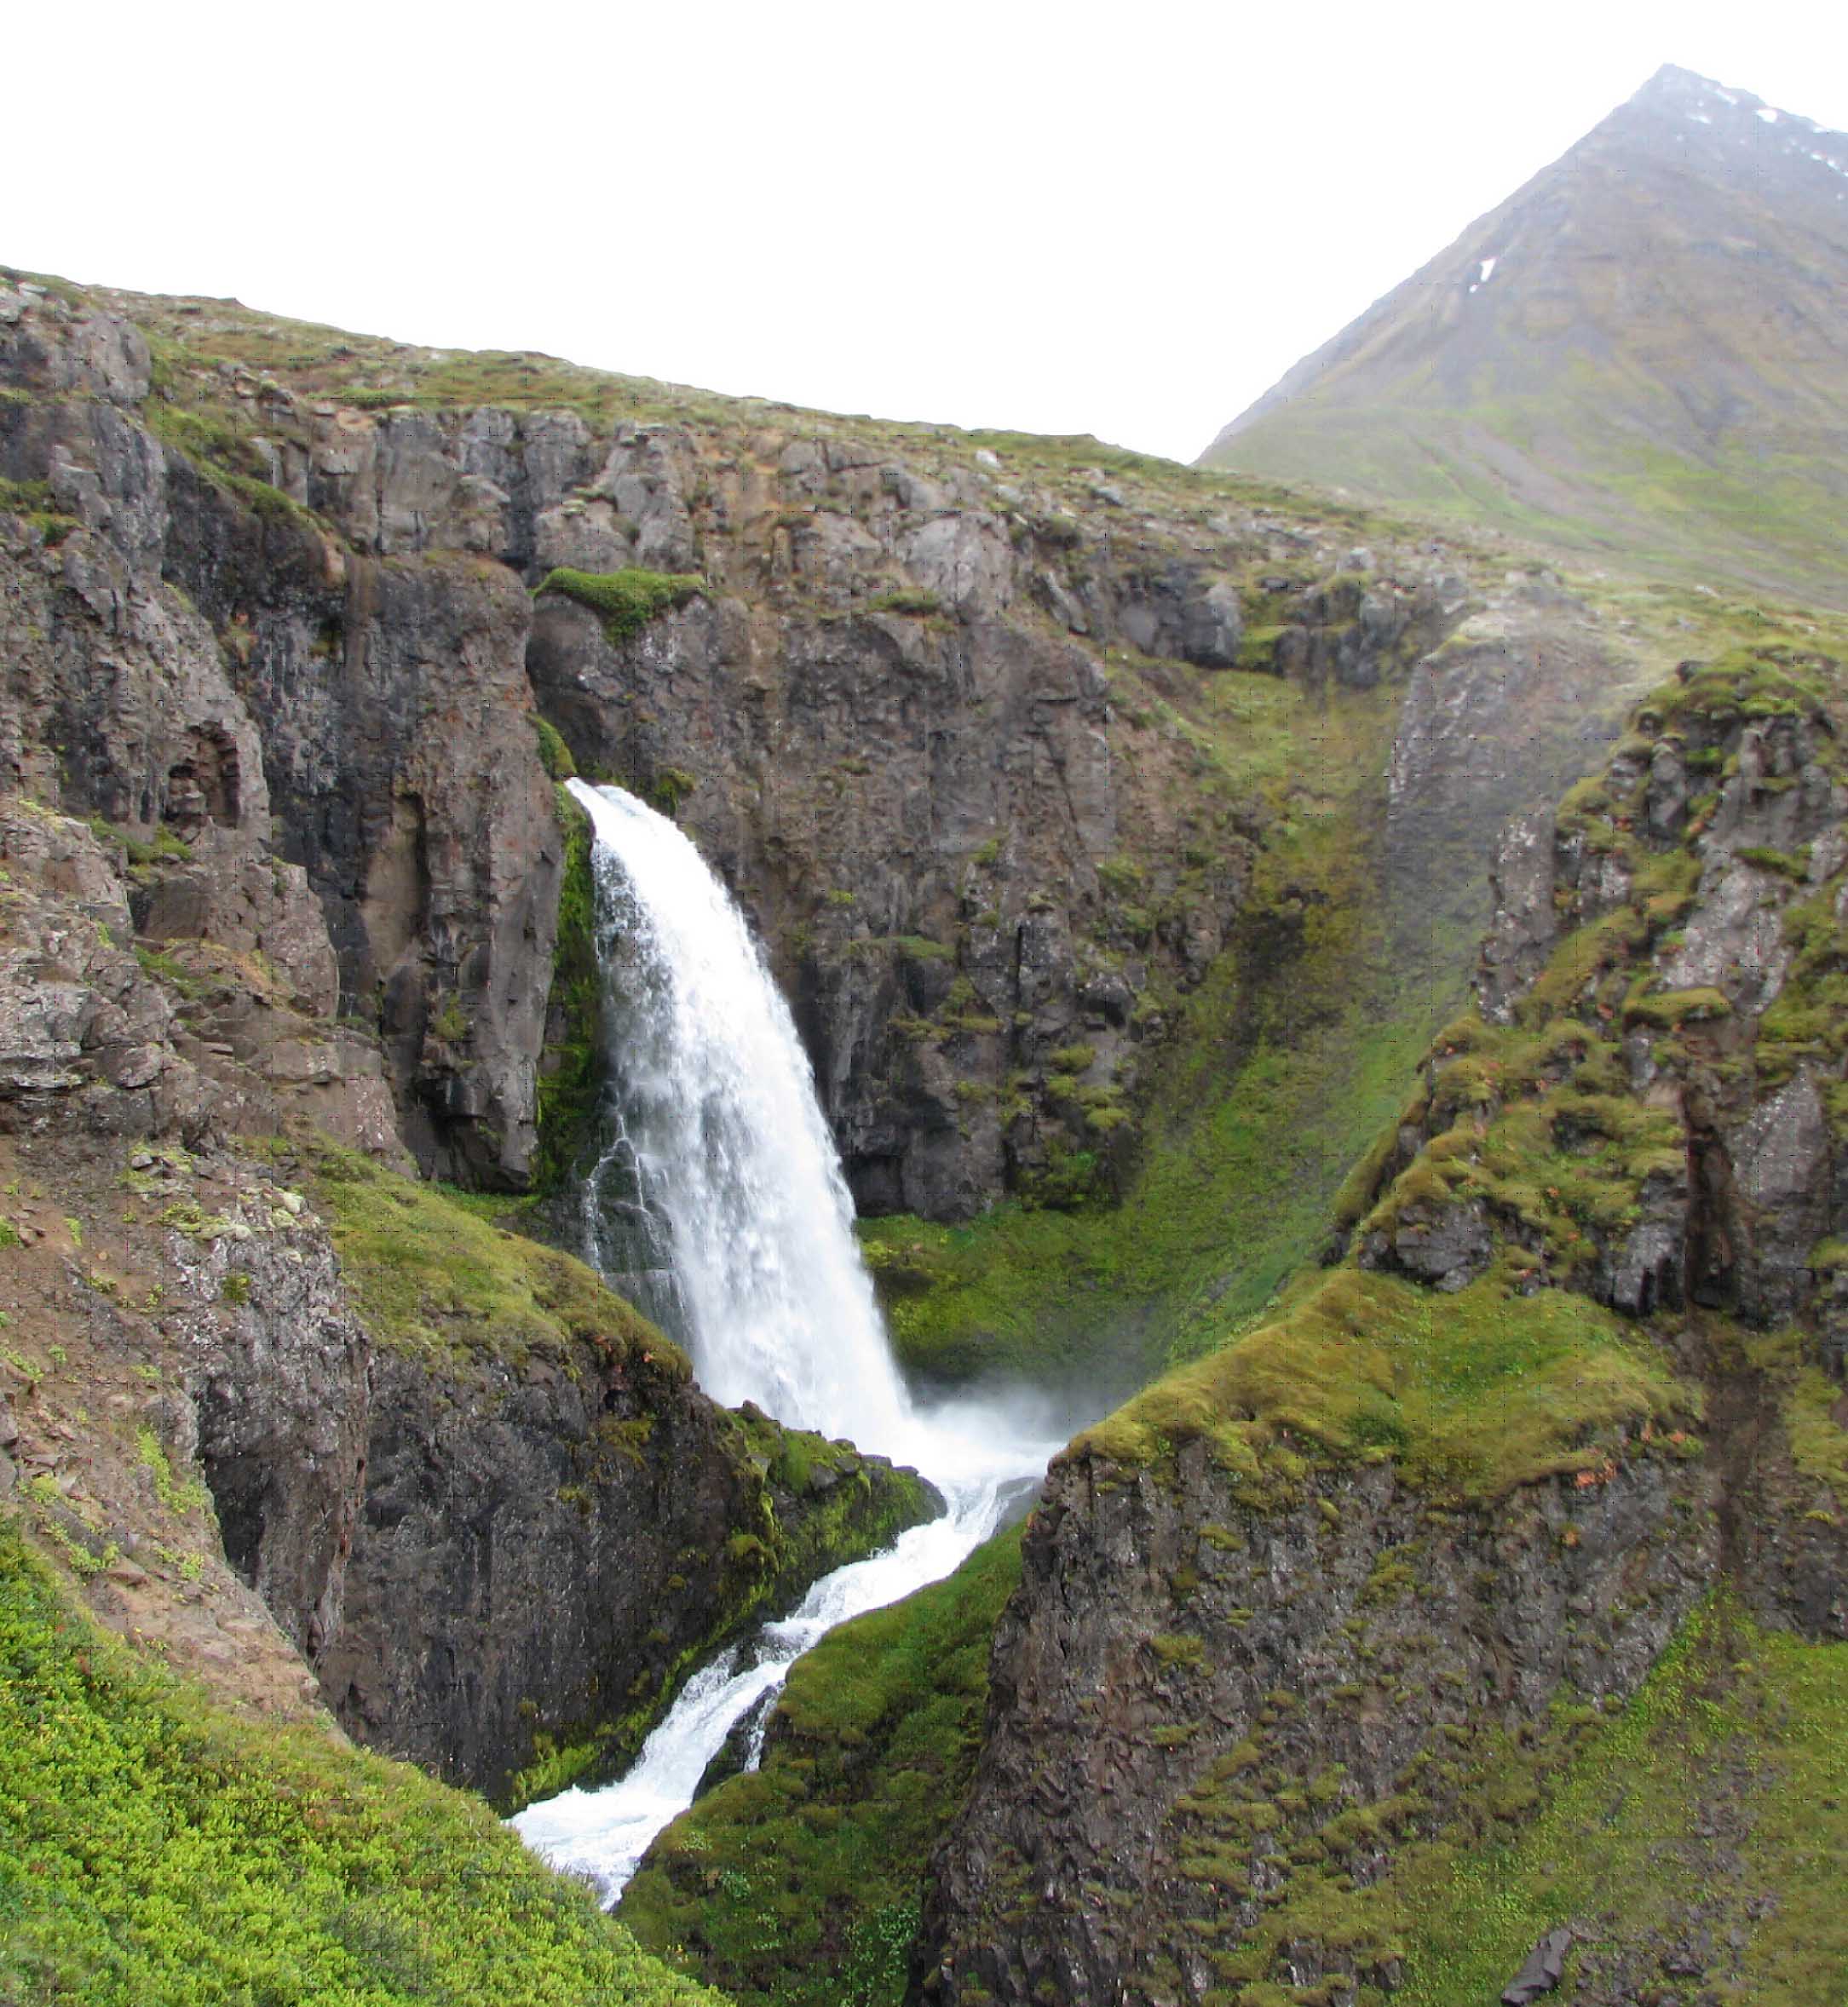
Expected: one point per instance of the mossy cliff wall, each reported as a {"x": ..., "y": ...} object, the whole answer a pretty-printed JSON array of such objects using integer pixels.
[
  {"x": 981, "y": 730},
  {"x": 1309, "y": 1623}
]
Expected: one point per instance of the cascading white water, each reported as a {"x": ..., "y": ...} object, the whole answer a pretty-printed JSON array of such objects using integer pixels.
[
  {"x": 720, "y": 1124},
  {"x": 729, "y": 1180}
]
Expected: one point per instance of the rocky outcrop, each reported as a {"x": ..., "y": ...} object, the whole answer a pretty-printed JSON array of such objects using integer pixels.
[
  {"x": 547, "y": 1549},
  {"x": 337, "y": 750},
  {"x": 1264, "y": 1620},
  {"x": 1682, "y": 910},
  {"x": 1202, "y": 1715},
  {"x": 281, "y": 1385},
  {"x": 1509, "y": 710}
]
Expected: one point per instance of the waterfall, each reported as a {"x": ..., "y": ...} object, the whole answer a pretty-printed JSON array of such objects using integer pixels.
[
  {"x": 719, "y": 1204},
  {"x": 720, "y": 1140}
]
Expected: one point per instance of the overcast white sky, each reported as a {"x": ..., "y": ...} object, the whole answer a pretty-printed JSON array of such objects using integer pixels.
[{"x": 1127, "y": 219}]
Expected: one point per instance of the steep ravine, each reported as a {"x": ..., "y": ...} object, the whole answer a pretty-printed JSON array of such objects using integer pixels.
[
  {"x": 1310, "y": 1619},
  {"x": 1043, "y": 771}
]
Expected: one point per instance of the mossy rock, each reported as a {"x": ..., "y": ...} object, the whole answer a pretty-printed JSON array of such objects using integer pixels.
[{"x": 625, "y": 600}]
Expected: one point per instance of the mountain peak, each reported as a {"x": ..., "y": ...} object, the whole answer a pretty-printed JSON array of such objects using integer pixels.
[{"x": 1641, "y": 352}]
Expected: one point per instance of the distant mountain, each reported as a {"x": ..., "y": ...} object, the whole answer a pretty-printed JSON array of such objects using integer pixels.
[{"x": 1643, "y": 351}]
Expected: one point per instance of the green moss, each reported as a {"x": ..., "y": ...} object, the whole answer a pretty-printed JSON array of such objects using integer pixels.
[
  {"x": 1631, "y": 1828},
  {"x": 364, "y": 397},
  {"x": 571, "y": 1067},
  {"x": 1580, "y": 959},
  {"x": 157, "y": 1852},
  {"x": 800, "y": 1885},
  {"x": 143, "y": 854},
  {"x": 24, "y": 497},
  {"x": 1669, "y": 1009},
  {"x": 1257, "y": 646},
  {"x": 431, "y": 1277},
  {"x": 1471, "y": 1394},
  {"x": 555, "y": 756},
  {"x": 912, "y": 600},
  {"x": 626, "y": 601},
  {"x": 673, "y": 784},
  {"x": 1818, "y": 1442}
]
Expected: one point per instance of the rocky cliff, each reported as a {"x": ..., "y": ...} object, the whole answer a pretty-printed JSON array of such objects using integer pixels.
[
  {"x": 314, "y": 1430},
  {"x": 1324, "y": 1609},
  {"x": 931, "y": 706}
]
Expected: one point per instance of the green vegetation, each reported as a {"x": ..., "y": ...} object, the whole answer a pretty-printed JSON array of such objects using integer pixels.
[
  {"x": 432, "y": 1276},
  {"x": 626, "y": 601},
  {"x": 555, "y": 756},
  {"x": 1659, "y": 1804},
  {"x": 144, "y": 854},
  {"x": 571, "y": 1069},
  {"x": 1470, "y": 1394},
  {"x": 176, "y": 1495},
  {"x": 799, "y": 1885},
  {"x": 24, "y": 497},
  {"x": 1283, "y": 1066},
  {"x": 158, "y": 1852},
  {"x": 912, "y": 600},
  {"x": 1769, "y": 521},
  {"x": 1643, "y": 1827},
  {"x": 1818, "y": 1442}
]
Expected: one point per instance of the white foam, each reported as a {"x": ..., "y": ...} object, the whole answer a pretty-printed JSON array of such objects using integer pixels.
[{"x": 740, "y": 1196}]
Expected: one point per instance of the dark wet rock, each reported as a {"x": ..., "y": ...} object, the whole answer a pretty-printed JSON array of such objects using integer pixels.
[
  {"x": 734, "y": 1753},
  {"x": 545, "y": 1547},
  {"x": 1447, "y": 1246}
]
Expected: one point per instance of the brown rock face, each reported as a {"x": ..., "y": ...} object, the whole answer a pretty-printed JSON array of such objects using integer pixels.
[
  {"x": 892, "y": 720},
  {"x": 1169, "y": 1649},
  {"x": 331, "y": 763}
]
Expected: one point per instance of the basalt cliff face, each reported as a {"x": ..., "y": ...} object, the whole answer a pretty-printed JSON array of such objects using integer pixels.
[
  {"x": 921, "y": 713},
  {"x": 1306, "y": 1621}
]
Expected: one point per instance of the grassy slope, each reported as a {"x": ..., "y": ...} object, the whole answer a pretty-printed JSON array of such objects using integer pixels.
[
  {"x": 799, "y": 1885},
  {"x": 435, "y": 1277},
  {"x": 1718, "y": 1800},
  {"x": 1769, "y": 523},
  {"x": 156, "y": 1851},
  {"x": 1283, "y": 1065},
  {"x": 1470, "y": 1395}
]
